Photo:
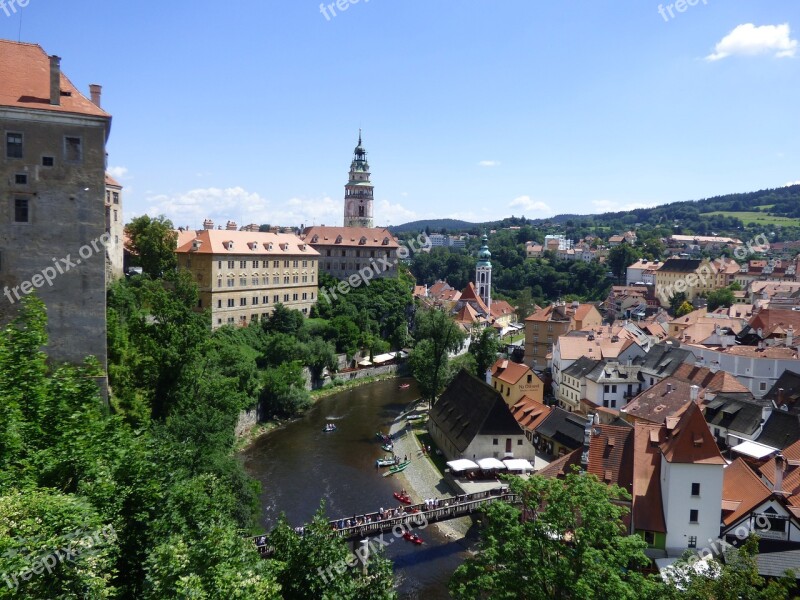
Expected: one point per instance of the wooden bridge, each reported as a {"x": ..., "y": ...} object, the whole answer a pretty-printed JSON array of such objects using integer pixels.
[{"x": 364, "y": 526}]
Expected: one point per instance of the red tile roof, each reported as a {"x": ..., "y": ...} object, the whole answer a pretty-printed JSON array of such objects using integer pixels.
[
  {"x": 501, "y": 308},
  {"x": 529, "y": 413},
  {"x": 509, "y": 371},
  {"x": 110, "y": 181},
  {"x": 691, "y": 440},
  {"x": 373, "y": 237},
  {"x": 611, "y": 455},
  {"x": 742, "y": 491},
  {"x": 215, "y": 241},
  {"x": 648, "y": 510},
  {"x": 25, "y": 76},
  {"x": 562, "y": 466},
  {"x": 471, "y": 295}
]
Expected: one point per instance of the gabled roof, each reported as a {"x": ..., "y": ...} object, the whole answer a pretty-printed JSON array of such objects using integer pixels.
[
  {"x": 611, "y": 455},
  {"x": 25, "y": 73},
  {"x": 742, "y": 491},
  {"x": 789, "y": 382},
  {"x": 236, "y": 243},
  {"x": 509, "y": 371},
  {"x": 562, "y": 466},
  {"x": 690, "y": 441},
  {"x": 469, "y": 407},
  {"x": 647, "y": 508},
  {"x": 529, "y": 413},
  {"x": 581, "y": 367},
  {"x": 680, "y": 265},
  {"x": 563, "y": 427},
  {"x": 111, "y": 182},
  {"x": 467, "y": 315},
  {"x": 469, "y": 294},
  {"x": 782, "y": 429},
  {"x": 664, "y": 359},
  {"x": 501, "y": 308},
  {"x": 350, "y": 237}
]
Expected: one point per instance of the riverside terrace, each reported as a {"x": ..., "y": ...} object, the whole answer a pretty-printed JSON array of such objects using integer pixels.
[{"x": 415, "y": 514}]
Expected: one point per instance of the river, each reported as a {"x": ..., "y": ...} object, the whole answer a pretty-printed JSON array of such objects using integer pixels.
[{"x": 298, "y": 465}]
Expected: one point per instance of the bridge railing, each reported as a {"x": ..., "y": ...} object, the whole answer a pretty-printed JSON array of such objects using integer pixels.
[{"x": 415, "y": 514}]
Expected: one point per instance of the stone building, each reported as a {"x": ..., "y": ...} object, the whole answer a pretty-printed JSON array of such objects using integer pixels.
[
  {"x": 115, "y": 227},
  {"x": 52, "y": 210},
  {"x": 344, "y": 251},
  {"x": 242, "y": 275},
  {"x": 358, "y": 193}
]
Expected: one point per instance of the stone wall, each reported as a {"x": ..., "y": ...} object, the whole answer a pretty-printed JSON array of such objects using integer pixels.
[{"x": 247, "y": 420}]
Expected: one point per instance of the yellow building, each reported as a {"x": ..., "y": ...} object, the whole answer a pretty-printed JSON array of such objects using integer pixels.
[
  {"x": 242, "y": 275},
  {"x": 514, "y": 381}
]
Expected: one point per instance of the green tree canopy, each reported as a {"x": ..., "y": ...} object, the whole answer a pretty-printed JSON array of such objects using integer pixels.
[{"x": 152, "y": 244}]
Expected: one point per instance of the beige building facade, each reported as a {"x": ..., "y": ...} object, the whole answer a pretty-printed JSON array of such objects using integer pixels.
[
  {"x": 346, "y": 251},
  {"x": 243, "y": 275}
]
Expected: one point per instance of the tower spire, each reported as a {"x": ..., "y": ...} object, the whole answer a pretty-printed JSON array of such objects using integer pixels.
[{"x": 358, "y": 194}]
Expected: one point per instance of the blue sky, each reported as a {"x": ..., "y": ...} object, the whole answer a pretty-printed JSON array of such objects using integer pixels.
[{"x": 250, "y": 110}]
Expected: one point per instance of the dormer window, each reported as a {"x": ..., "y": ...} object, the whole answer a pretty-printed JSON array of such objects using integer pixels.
[
  {"x": 196, "y": 244},
  {"x": 301, "y": 247},
  {"x": 363, "y": 240},
  {"x": 253, "y": 245},
  {"x": 269, "y": 247},
  {"x": 338, "y": 239},
  {"x": 315, "y": 239},
  {"x": 386, "y": 241},
  {"x": 229, "y": 245}
]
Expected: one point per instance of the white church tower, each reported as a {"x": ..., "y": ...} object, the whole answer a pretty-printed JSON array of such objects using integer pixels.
[{"x": 483, "y": 273}]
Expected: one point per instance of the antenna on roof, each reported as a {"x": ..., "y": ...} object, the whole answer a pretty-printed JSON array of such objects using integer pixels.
[{"x": 19, "y": 34}]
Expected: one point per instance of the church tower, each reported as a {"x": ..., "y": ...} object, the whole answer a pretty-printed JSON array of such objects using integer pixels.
[
  {"x": 483, "y": 273},
  {"x": 358, "y": 191}
]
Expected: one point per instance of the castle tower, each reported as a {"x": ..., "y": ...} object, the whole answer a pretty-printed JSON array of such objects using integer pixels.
[
  {"x": 483, "y": 273},
  {"x": 358, "y": 191}
]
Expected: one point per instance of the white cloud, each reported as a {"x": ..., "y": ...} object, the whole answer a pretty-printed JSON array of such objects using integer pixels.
[
  {"x": 792, "y": 183},
  {"x": 118, "y": 172},
  {"x": 489, "y": 163},
  {"x": 237, "y": 204},
  {"x": 749, "y": 40},
  {"x": 387, "y": 213},
  {"x": 603, "y": 206},
  {"x": 529, "y": 205}
]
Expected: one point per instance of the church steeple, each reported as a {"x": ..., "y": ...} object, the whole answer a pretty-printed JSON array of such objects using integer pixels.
[
  {"x": 483, "y": 272},
  {"x": 358, "y": 193}
]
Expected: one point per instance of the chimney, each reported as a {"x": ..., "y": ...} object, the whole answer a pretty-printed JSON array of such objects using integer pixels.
[
  {"x": 780, "y": 397},
  {"x": 96, "y": 92},
  {"x": 714, "y": 368},
  {"x": 55, "y": 80},
  {"x": 231, "y": 226},
  {"x": 694, "y": 393},
  {"x": 208, "y": 224},
  {"x": 780, "y": 465},
  {"x": 789, "y": 336},
  {"x": 669, "y": 388}
]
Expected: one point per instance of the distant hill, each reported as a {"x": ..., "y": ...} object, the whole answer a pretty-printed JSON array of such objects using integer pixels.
[
  {"x": 434, "y": 225},
  {"x": 770, "y": 208}
]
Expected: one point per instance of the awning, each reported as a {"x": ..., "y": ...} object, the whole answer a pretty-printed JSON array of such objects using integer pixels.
[
  {"x": 382, "y": 358},
  {"x": 754, "y": 449},
  {"x": 518, "y": 464},
  {"x": 365, "y": 363},
  {"x": 462, "y": 464},
  {"x": 490, "y": 464}
]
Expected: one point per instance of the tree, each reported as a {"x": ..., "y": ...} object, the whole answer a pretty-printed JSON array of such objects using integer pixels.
[
  {"x": 484, "y": 347},
  {"x": 567, "y": 542},
  {"x": 152, "y": 244},
  {"x": 676, "y": 301},
  {"x": 525, "y": 305},
  {"x": 284, "y": 320},
  {"x": 620, "y": 258},
  {"x": 684, "y": 309},
  {"x": 717, "y": 298},
  {"x": 284, "y": 393},
  {"x": 319, "y": 355},
  {"x": 437, "y": 336},
  {"x": 318, "y": 565}
]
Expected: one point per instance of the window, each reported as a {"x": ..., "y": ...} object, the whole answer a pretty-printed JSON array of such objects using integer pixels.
[
  {"x": 276, "y": 280},
  {"x": 305, "y": 264},
  {"x": 692, "y": 541},
  {"x": 21, "y": 179},
  {"x": 276, "y": 264},
  {"x": 296, "y": 264},
  {"x": 72, "y": 149},
  {"x": 530, "y": 378},
  {"x": 495, "y": 442},
  {"x": 116, "y": 215},
  {"x": 606, "y": 389},
  {"x": 327, "y": 253},
  {"x": 48, "y": 161},
  {"x": 242, "y": 264},
  {"x": 695, "y": 489},
  {"x": 276, "y": 299},
  {"x": 305, "y": 278},
  {"x": 255, "y": 300},
  {"x": 286, "y": 264},
  {"x": 231, "y": 320},
  {"x": 265, "y": 299},
  {"x": 305, "y": 295},
  {"x": 231, "y": 264},
  {"x": 219, "y": 303},
  {"x": 21, "y": 210},
  {"x": 13, "y": 145},
  {"x": 762, "y": 386},
  {"x": 294, "y": 297},
  {"x": 285, "y": 279},
  {"x": 519, "y": 442},
  {"x": 254, "y": 280},
  {"x": 286, "y": 297},
  {"x": 255, "y": 264},
  {"x": 242, "y": 301},
  {"x": 693, "y": 515},
  {"x": 115, "y": 195},
  {"x": 295, "y": 279},
  {"x": 230, "y": 281},
  {"x": 649, "y": 538},
  {"x": 231, "y": 303},
  {"x": 243, "y": 281}
]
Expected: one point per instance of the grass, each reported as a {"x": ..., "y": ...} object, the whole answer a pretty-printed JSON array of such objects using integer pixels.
[
  {"x": 437, "y": 459},
  {"x": 759, "y": 218}
]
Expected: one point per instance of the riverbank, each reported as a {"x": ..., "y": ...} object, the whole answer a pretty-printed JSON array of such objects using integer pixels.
[
  {"x": 261, "y": 429},
  {"x": 422, "y": 479}
]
